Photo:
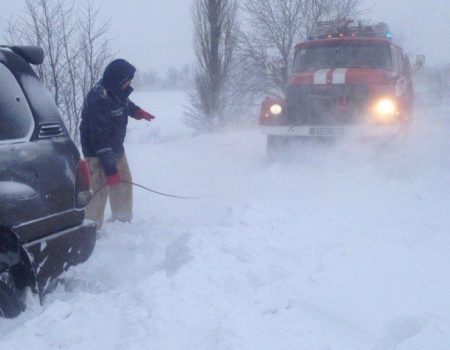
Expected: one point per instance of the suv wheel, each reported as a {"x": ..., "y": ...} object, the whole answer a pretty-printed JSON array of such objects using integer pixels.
[{"x": 10, "y": 305}]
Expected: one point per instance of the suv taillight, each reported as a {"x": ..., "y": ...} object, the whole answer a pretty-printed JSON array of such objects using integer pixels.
[{"x": 83, "y": 184}]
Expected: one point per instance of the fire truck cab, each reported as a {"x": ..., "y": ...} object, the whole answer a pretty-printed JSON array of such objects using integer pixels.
[{"x": 347, "y": 80}]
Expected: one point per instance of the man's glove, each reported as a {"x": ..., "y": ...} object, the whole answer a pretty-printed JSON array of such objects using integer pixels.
[
  {"x": 113, "y": 180},
  {"x": 141, "y": 114}
]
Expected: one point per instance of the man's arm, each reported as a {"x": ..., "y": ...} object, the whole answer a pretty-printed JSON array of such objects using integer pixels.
[
  {"x": 99, "y": 125},
  {"x": 132, "y": 109},
  {"x": 137, "y": 112}
]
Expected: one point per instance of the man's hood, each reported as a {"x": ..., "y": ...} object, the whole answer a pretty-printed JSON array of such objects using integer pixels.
[{"x": 117, "y": 73}]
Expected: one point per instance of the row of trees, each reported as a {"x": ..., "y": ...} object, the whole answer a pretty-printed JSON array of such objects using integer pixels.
[
  {"x": 244, "y": 52},
  {"x": 75, "y": 45},
  {"x": 174, "y": 79}
]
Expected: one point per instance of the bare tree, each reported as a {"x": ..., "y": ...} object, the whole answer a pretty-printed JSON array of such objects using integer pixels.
[
  {"x": 85, "y": 61},
  {"x": 94, "y": 45},
  {"x": 277, "y": 25},
  {"x": 75, "y": 47},
  {"x": 36, "y": 28},
  {"x": 346, "y": 9},
  {"x": 216, "y": 31},
  {"x": 266, "y": 50},
  {"x": 314, "y": 11}
]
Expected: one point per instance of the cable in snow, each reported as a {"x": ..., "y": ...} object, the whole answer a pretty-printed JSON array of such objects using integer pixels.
[
  {"x": 152, "y": 191},
  {"x": 164, "y": 194}
]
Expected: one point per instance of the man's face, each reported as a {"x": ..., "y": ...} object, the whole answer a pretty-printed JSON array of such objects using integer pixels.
[{"x": 126, "y": 84}]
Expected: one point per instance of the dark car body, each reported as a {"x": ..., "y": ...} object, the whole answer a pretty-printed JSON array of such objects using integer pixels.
[{"x": 42, "y": 183}]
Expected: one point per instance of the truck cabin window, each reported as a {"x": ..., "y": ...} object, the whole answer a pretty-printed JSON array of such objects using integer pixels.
[{"x": 341, "y": 55}]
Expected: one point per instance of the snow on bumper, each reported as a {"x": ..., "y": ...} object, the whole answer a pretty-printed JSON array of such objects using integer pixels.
[
  {"x": 333, "y": 131},
  {"x": 54, "y": 254}
]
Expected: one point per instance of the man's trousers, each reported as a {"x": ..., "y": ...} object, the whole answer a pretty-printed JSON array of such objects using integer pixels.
[{"x": 120, "y": 196}]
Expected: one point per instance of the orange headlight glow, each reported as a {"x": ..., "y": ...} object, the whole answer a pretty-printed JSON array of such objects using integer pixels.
[
  {"x": 276, "y": 109},
  {"x": 385, "y": 109}
]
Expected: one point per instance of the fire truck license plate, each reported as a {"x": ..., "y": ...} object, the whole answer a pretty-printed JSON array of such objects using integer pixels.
[{"x": 325, "y": 131}]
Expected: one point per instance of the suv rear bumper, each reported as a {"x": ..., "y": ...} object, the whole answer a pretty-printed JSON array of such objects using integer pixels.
[
  {"x": 333, "y": 131},
  {"x": 54, "y": 254}
]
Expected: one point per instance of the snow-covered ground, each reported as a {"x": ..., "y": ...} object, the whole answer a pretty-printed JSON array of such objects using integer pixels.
[{"x": 335, "y": 248}]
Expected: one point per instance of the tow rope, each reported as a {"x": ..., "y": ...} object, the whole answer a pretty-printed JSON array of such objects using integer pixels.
[
  {"x": 148, "y": 190},
  {"x": 161, "y": 193}
]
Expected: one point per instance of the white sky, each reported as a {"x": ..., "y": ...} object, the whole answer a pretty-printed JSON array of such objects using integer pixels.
[
  {"x": 422, "y": 25},
  {"x": 158, "y": 33},
  {"x": 151, "y": 33}
]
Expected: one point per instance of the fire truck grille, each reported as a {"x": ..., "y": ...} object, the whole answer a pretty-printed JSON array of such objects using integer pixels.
[{"x": 326, "y": 105}]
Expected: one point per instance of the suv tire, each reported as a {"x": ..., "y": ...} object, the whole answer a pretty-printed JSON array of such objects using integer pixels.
[{"x": 10, "y": 305}]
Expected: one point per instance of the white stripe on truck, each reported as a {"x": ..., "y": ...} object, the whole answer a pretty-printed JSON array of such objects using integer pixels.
[
  {"x": 320, "y": 76},
  {"x": 339, "y": 75}
]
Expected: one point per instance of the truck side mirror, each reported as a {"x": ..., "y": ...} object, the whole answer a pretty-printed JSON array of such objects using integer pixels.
[{"x": 420, "y": 61}]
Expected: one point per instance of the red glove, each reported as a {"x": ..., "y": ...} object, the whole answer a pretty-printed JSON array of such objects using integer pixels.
[
  {"x": 141, "y": 114},
  {"x": 113, "y": 180}
]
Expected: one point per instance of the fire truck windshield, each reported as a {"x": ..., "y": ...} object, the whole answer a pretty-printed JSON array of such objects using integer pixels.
[{"x": 337, "y": 55}]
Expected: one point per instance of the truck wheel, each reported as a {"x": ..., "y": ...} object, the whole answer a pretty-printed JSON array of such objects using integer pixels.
[
  {"x": 275, "y": 144},
  {"x": 10, "y": 305}
]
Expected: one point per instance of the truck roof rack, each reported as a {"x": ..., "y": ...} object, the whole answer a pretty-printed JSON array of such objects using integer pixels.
[
  {"x": 31, "y": 54},
  {"x": 346, "y": 28}
]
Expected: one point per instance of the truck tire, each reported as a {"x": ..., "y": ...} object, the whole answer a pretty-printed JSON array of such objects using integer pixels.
[
  {"x": 10, "y": 305},
  {"x": 275, "y": 144}
]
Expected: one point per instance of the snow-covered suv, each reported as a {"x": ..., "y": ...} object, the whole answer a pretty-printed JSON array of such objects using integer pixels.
[{"x": 44, "y": 185}]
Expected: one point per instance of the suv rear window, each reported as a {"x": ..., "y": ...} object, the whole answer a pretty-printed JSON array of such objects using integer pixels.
[{"x": 16, "y": 119}]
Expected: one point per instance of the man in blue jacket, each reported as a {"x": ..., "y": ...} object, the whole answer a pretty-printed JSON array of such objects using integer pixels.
[{"x": 104, "y": 120}]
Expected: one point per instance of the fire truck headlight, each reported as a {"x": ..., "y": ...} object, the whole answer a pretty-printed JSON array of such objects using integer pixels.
[
  {"x": 385, "y": 108},
  {"x": 276, "y": 109}
]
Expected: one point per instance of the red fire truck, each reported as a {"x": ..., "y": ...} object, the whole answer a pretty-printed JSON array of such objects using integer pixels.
[{"x": 348, "y": 79}]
